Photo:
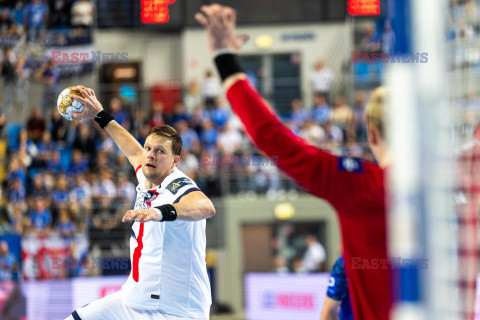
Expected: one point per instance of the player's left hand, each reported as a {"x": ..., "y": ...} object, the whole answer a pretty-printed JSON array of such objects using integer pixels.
[
  {"x": 141, "y": 215},
  {"x": 90, "y": 102}
]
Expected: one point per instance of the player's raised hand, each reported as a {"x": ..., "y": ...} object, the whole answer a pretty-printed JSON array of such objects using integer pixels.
[
  {"x": 141, "y": 215},
  {"x": 90, "y": 102},
  {"x": 221, "y": 23}
]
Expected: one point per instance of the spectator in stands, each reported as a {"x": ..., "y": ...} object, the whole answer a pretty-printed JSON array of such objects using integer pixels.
[
  {"x": 122, "y": 166},
  {"x": 298, "y": 116},
  {"x": 48, "y": 74},
  {"x": 156, "y": 115},
  {"x": 104, "y": 189},
  {"x": 322, "y": 79},
  {"x": 60, "y": 194},
  {"x": 40, "y": 216},
  {"x": 189, "y": 136},
  {"x": 388, "y": 39},
  {"x": 456, "y": 11},
  {"x": 105, "y": 143},
  {"x": 351, "y": 148},
  {"x": 101, "y": 161},
  {"x": 104, "y": 221},
  {"x": 245, "y": 175},
  {"x": 8, "y": 263},
  {"x": 197, "y": 118},
  {"x": 84, "y": 141},
  {"x": 188, "y": 163},
  {"x": 138, "y": 121},
  {"x": 117, "y": 111},
  {"x": 333, "y": 137},
  {"x": 18, "y": 221},
  {"x": 37, "y": 187},
  {"x": 210, "y": 89},
  {"x": 78, "y": 165},
  {"x": 82, "y": 14},
  {"x": 267, "y": 178},
  {"x": 6, "y": 22},
  {"x": 208, "y": 136},
  {"x": 28, "y": 149},
  {"x": 46, "y": 149},
  {"x": 179, "y": 114},
  {"x": 471, "y": 14},
  {"x": 219, "y": 114},
  {"x": 22, "y": 73},
  {"x": 342, "y": 114},
  {"x": 9, "y": 76},
  {"x": 321, "y": 111},
  {"x": 370, "y": 41},
  {"x": 16, "y": 169},
  {"x": 49, "y": 180},
  {"x": 58, "y": 128},
  {"x": 65, "y": 227},
  {"x": 297, "y": 266},
  {"x": 2, "y": 120},
  {"x": 35, "y": 18},
  {"x": 312, "y": 132},
  {"x": 16, "y": 192},
  {"x": 359, "y": 120},
  {"x": 60, "y": 13},
  {"x": 54, "y": 164},
  {"x": 81, "y": 193},
  {"x": 192, "y": 98},
  {"x": 280, "y": 265},
  {"x": 229, "y": 140},
  {"x": 314, "y": 255},
  {"x": 125, "y": 190}
]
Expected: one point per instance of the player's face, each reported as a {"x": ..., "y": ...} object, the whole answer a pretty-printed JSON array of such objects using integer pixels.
[{"x": 158, "y": 158}]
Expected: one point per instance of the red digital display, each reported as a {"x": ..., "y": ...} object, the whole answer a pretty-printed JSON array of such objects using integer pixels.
[
  {"x": 155, "y": 11},
  {"x": 363, "y": 7}
]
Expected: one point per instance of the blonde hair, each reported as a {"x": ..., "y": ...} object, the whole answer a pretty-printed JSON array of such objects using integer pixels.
[{"x": 375, "y": 109}]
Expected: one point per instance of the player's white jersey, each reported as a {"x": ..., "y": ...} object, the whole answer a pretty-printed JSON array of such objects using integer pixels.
[{"x": 168, "y": 258}]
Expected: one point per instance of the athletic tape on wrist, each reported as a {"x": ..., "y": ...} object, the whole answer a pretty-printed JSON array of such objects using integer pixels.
[
  {"x": 103, "y": 118},
  {"x": 227, "y": 64}
]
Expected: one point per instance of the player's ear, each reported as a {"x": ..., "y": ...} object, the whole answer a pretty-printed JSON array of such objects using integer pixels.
[
  {"x": 176, "y": 159},
  {"x": 372, "y": 135}
]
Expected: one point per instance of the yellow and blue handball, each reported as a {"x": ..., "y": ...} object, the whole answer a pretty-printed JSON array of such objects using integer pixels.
[{"x": 67, "y": 105}]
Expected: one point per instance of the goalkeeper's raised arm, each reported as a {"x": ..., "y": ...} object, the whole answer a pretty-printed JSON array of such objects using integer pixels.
[{"x": 129, "y": 146}]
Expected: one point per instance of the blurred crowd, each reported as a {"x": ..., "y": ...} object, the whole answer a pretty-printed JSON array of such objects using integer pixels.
[
  {"x": 64, "y": 176},
  {"x": 28, "y": 29},
  {"x": 463, "y": 30}
]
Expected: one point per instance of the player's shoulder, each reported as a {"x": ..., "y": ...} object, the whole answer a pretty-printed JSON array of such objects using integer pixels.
[
  {"x": 179, "y": 181},
  {"x": 338, "y": 266}
]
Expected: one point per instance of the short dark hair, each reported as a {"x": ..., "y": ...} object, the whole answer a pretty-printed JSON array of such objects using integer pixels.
[{"x": 170, "y": 134}]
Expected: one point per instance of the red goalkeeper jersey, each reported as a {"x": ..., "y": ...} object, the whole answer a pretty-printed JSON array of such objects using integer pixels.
[{"x": 353, "y": 187}]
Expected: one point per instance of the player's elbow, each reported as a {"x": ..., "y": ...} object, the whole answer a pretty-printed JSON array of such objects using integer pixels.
[{"x": 210, "y": 209}]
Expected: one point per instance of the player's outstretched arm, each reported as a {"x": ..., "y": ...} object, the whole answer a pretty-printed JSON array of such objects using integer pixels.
[
  {"x": 191, "y": 207},
  {"x": 311, "y": 167},
  {"x": 129, "y": 146}
]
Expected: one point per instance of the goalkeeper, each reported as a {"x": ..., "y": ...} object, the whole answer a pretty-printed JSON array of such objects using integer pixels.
[{"x": 353, "y": 187}]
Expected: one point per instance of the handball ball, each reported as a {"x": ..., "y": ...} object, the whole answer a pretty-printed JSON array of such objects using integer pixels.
[{"x": 67, "y": 105}]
